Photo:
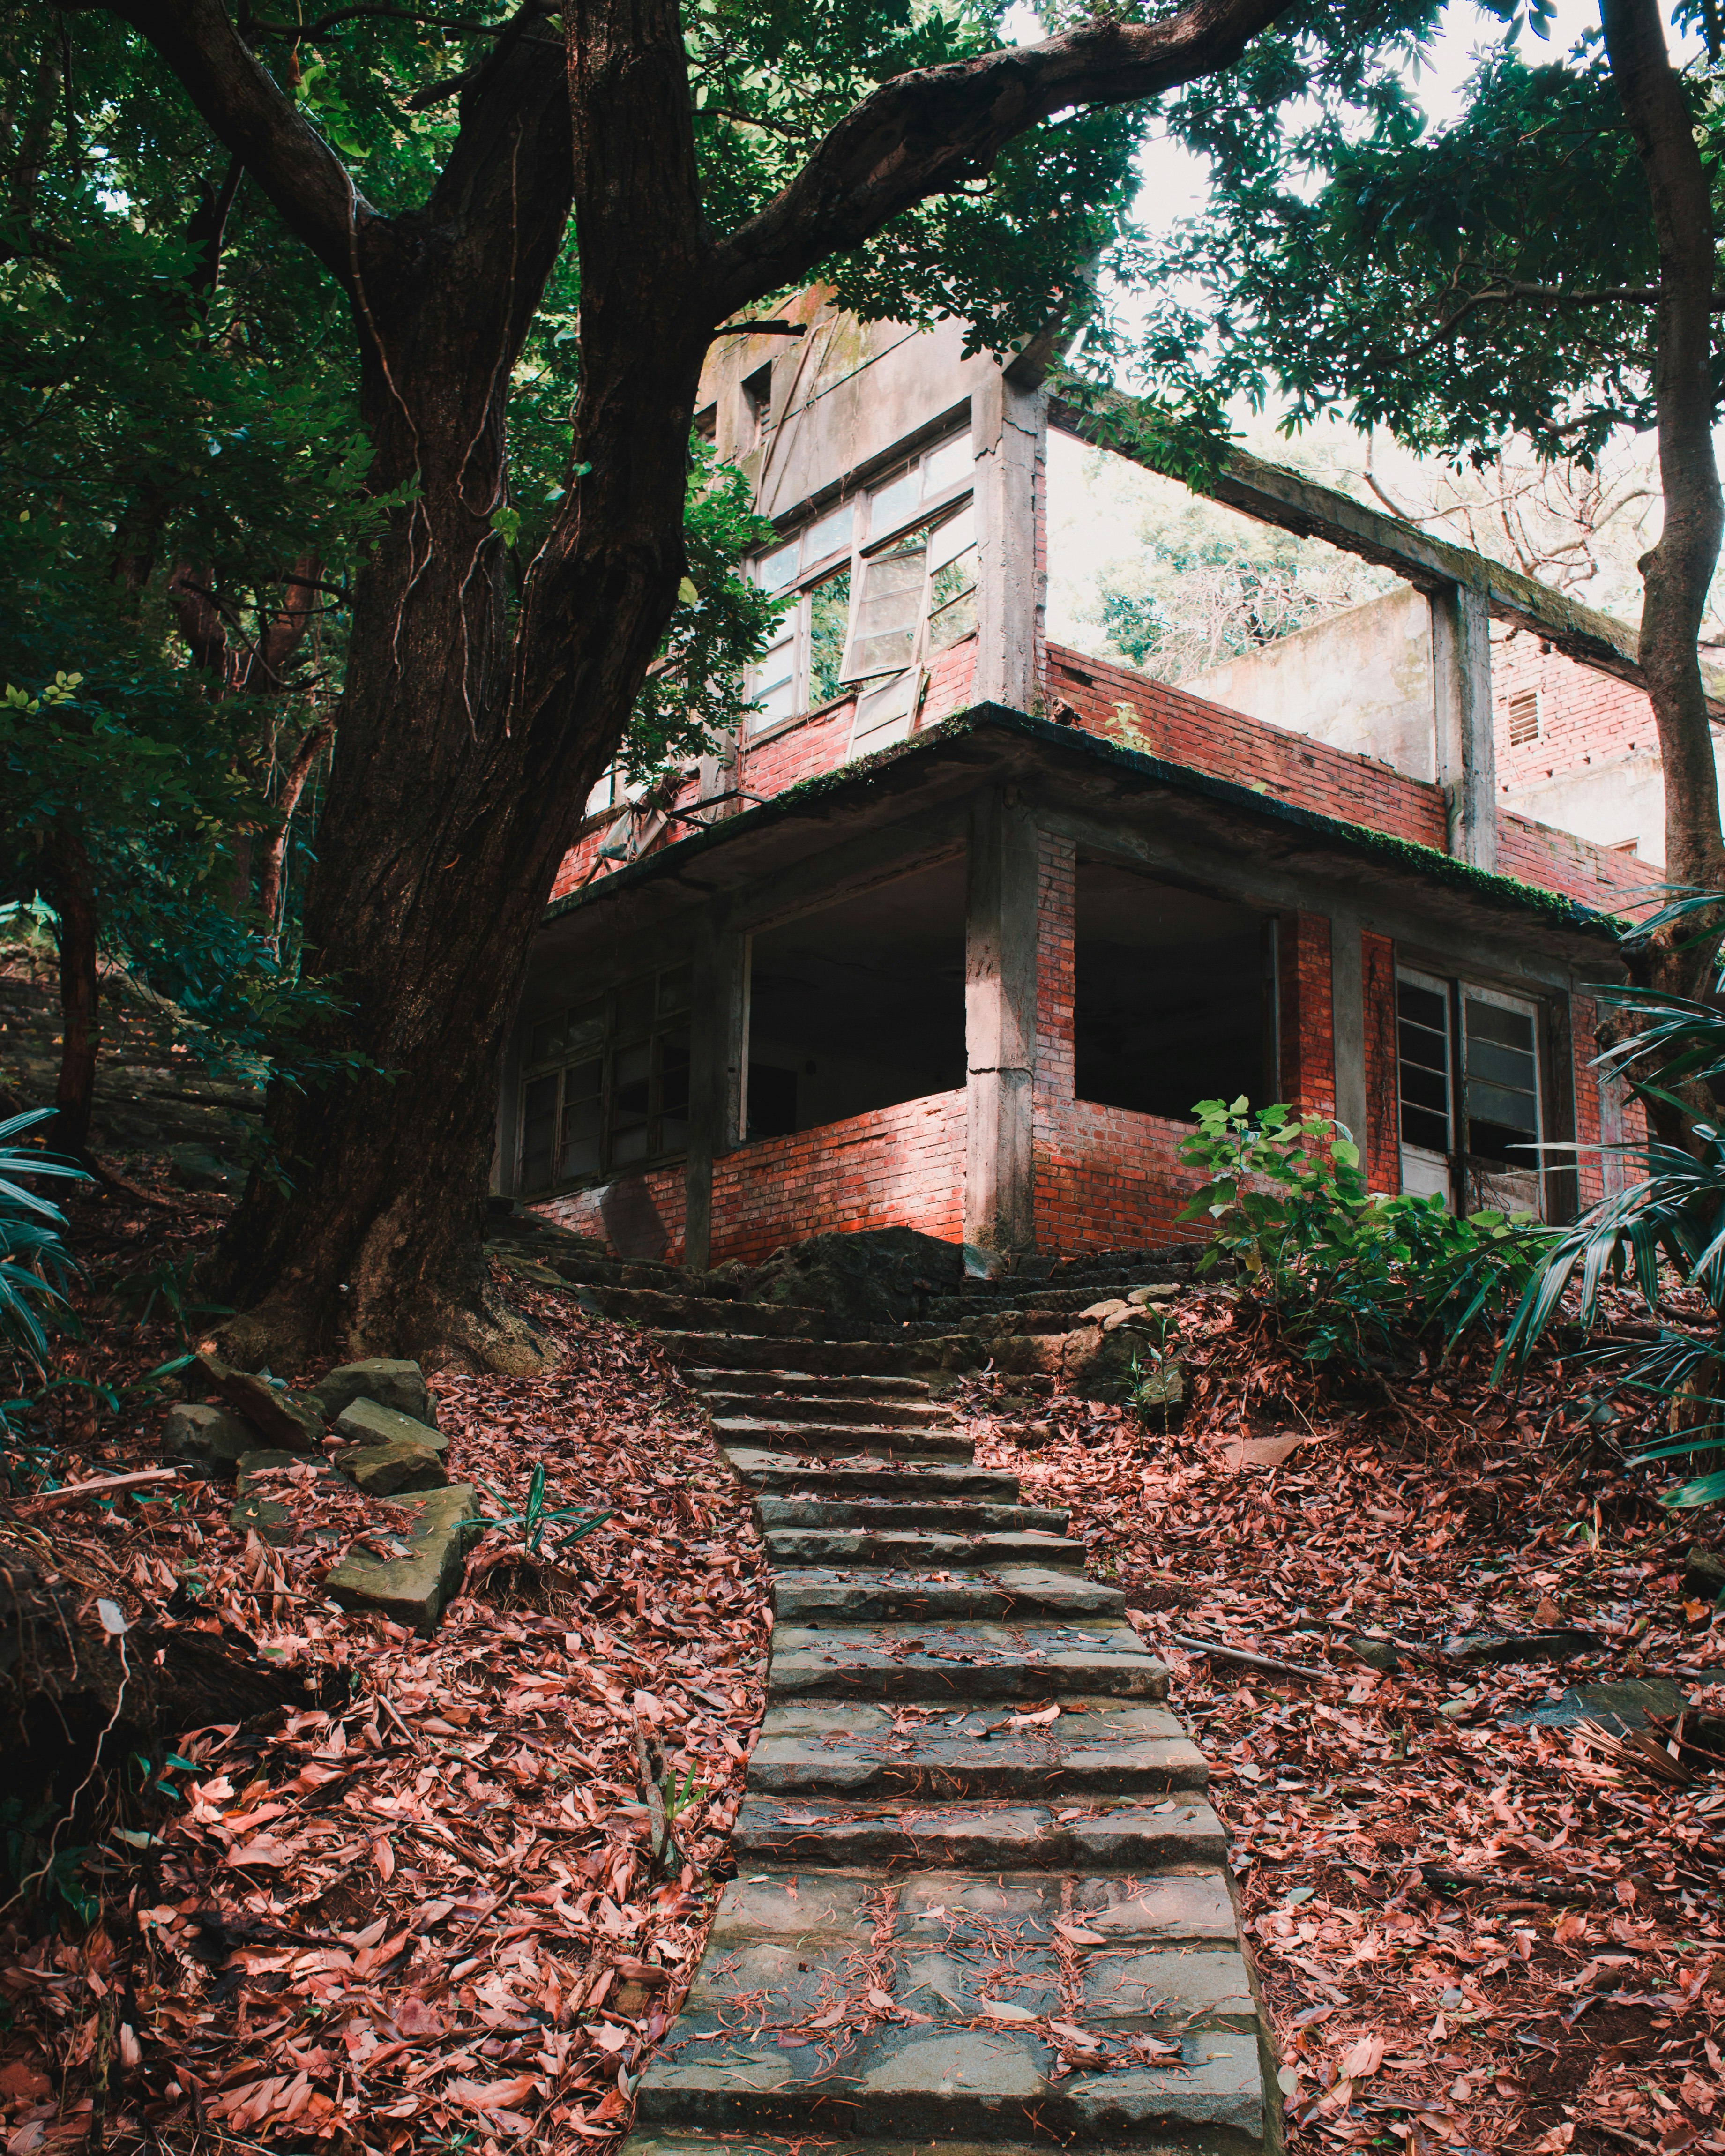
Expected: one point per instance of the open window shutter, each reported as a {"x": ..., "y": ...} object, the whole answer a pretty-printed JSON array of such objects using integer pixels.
[{"x": 888, "y": 609}]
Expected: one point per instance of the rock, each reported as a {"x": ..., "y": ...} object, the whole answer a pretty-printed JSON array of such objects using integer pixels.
[
  {"x": 196, "y": 1168},
  {"x": 876, "y": 1276},
  {"x": 1377, "y": 1654},
  {"x": 398, "y": 1385},
  {"x": 1559, "y": 1645},
  {"x": 214, "y": 1435},
  {"x": 412, "y": 1589},
  {"x": 1614, "y": 1707},
  {"x": 1099, "y": 1313},
  {"x": 1151, "y": 1295},
  {"x": 366, "y": 1422},
  {"x": 270, "y": 1409},
  {"x": 1703, "y": 1575},
  {"x": 1119, "y": 1363},
  {"x": 273, "y": 1521},
  {"x": 401, "y": 1464}
]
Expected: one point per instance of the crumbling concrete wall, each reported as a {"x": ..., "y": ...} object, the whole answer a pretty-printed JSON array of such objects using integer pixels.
[{"x": 1360, "y": 680}]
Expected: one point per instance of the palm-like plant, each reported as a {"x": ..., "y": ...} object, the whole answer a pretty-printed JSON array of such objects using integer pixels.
[
  {"x": 1677, "y": 1213},
  {"x": 35, "y": 1265}
]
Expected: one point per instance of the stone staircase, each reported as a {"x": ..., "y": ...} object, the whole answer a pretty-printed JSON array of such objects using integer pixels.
[{"x": 981, "y": 1896}]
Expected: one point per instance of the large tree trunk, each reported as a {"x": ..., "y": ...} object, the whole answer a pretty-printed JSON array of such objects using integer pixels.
[
  {"x": 69, "y": 874},
  {"x": 1679, "y": 571}
]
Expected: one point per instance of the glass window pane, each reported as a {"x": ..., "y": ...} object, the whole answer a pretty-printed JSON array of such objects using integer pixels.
[
  {"x": 581, "y": 1082},
  {"x": 1425, "y": 1089},
  {"x": 883, "y": 715},
  {"x": 544, "y": 1044},
  {"x": 673, "y": 988},
  {"x": 1491, "y": 1022},
  {"x": 892, "y": 505},
  {"x": 947, "y": 465},
  {"x": 772, "y": 705},
  {"x": 674, "y": 1135},
  {"x": 884, "y": 631},
  {"x": 634, "y": 1012},
  {"x": 1429, "y": 1050},
  {"x": 539, "y": 1116},
  {"x": 581, "y": 1157},
  {"x": 1421, "y": 1127},
  {"x": 947, "y": 540},
  {"x": 587, "y": 1026},
  {"x": 1422, "y": 1005},
  {"x": 774, "y": 570},
  {"x": 674, "y": 1074},
  {"x": 600, "y": 796},
  {"x": 951, "y": 623},
  {"x": 1502, "y": 1066},
  {"x": 830, "y": 534},
  {"x": 628, "y": 1145},
  {"x": 1504, "y": 1104},
  {"x": 829, "y": 625}
]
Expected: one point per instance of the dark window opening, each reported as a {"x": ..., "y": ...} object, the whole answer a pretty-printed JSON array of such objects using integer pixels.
[
  {"x": 757, "y": 403},
  {"x": 1469, "y": 1090},
  {"x": 859, "y": 1006},
  {"x": 1172, "y": 1001},
  {"x": 607, "y": 1084}
]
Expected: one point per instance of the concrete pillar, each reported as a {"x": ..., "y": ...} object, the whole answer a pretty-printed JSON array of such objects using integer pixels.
[
  {"x": 1009, "y": 435},
  {"x": 999, "y": 1023},
  {"x": 1347, "y": 1025},
  {"x": 718, "y": 1055},
  {"x": 1461, "y": 696}
]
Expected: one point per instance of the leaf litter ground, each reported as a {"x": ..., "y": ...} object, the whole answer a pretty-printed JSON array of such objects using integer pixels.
[
  {"x": 1471, "y": 1935},
  {"x": 430, "y": 1918}
]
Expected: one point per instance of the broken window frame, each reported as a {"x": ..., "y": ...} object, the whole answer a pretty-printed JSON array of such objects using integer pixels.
[
  {"x": 1465, "y": 1181},
  {"x": 621, "y": 1096},
  {"x": 924, "y": 493}
]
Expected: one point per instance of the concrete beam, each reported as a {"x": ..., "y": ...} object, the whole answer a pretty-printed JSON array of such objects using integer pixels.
[
  {"x": 1462, "y": 712},
  {"x": 1009, "y": 435},
  {"x": 718, "y": 1054},
  {"x": 1000, "y": 921},
  {"x": 1348, "y": 1023},
  {"x": 1272, "y": 495}
]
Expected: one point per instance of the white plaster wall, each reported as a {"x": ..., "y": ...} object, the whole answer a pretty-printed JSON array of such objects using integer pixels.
[
  {"x": 1360, "y": 680},
  {"x": 1608, "y": 803}
]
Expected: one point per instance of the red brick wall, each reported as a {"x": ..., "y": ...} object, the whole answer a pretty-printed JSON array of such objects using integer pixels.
[
  {"x": 1584, "y": 717},
  {"x": 1185, "y": 729},
  {"x": 1584, "y": 1020},
  {"x": 1382, "y": 1147},
  {"x": 1556, "y": 860},
  {"x": 1056, "y": 938},
  {"x": 1108, "y": 1178},
  {"x": 1306, "y": 1039},
  {"x": 580, "y": 1210},
  {"x": 897, "y": 1167}
]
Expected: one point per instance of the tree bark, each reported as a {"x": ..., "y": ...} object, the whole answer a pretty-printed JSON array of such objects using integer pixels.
[
  {"x": 295, "y": 780},
  {"x": 66, "y": 862},
  {"x": 466, "y": 756}
]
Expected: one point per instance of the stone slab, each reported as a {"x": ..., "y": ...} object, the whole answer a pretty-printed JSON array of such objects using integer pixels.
[
  {"x": 215, "y": 1436},
  {"x": 401, "y": 1464},
  {"x": 958, "y": 1662},
  {"x": 389, "y": 1383},
  {"x": 860, "y": 1595},
  {"x": 1616, "y": 1707},
  {"x": 884, "y": 1439},
  {"x": 1167, "y": 1991},
  {"x": 412, "y": 1589},
  {"x": 824, "y": 1546},
  {"x": 948, "y": 1515},
  {"x": 779, "y": 1471},
  {"x": 1130, "y": 1838},
  {"x": 266, "y": 1516},
  {"x": 363, "y": 1422}
]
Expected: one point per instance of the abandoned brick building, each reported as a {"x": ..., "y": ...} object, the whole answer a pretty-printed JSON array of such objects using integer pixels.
[{"x": 960, "y": 928}]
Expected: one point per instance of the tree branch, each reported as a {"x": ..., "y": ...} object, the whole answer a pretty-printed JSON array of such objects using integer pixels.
[
  {"x": 925, "y": 132},
  {"x": 246, "y": 111},
  {"x": 307, "y": 33}
]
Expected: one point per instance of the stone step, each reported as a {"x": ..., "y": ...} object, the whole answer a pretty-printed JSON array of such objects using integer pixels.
[
  {"x": 785, "y": 1472},
  {"x": 859, "y": 1749},
  {"x": 819, "y": 1358},
  {"x": 659, "y": 1307},
  {"x": 861, "y": 1595},
  {"x": 888, "y": 1440},
  {"x": 924, "y": 1551},
  {"x": 1047, "y": 1295},
  {"x": 945, "y": 1515},
  {"x": 1131, "y": 1838},
  {"x": 801, "y": 1385},
  {"x": 853, "y": 1411},
  {"x": 959, "y": 1661}
]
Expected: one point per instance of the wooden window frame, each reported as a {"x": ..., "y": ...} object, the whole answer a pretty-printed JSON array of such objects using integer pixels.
[{"x": 668, "y": 990}]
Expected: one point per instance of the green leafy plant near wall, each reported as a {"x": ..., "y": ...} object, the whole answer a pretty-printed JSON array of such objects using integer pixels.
[{"x": 1354, "y": 1278}]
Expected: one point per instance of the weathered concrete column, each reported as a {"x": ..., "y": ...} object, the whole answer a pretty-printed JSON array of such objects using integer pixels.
[
  {"x": 1461, "y": 697},
  {"x": 718, "y": 1051},
  {"x": 999, "y": 1024},
  {"x": 1347, "y": 1025},
  {"x": 1009, "y": 434}
]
